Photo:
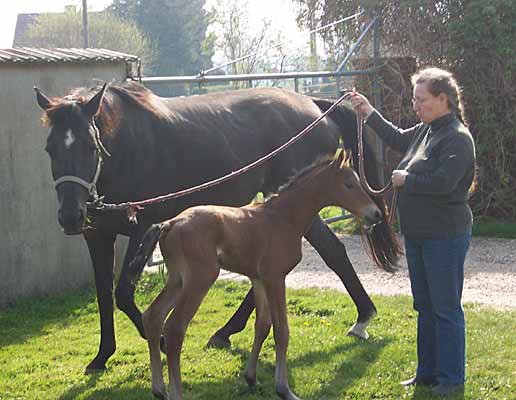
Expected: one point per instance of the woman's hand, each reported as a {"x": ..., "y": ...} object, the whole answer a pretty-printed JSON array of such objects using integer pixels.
[
  {"x": 360, "y": 103},
  {"x": 398, "y": 177}
]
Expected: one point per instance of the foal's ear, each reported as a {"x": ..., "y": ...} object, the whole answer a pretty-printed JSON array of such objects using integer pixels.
[
  {"x": 92, "y": 107},
  {"x": 43, "y": 101},
  {"x": 337, "y": 162}
]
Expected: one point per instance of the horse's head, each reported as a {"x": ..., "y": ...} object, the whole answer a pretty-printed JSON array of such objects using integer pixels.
[
  {"x": 75, "y": 152},
  {"x": 347, "y": 192}
]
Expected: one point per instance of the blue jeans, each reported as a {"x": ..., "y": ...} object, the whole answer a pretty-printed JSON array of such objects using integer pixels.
[{"x": 436, "y": 269}]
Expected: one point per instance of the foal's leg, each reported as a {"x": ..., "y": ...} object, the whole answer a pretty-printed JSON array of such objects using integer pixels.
[
  {"x": 195, "y": 287},
  {"x": 334, "y": 254},
  {"x": 262, "y": 327},
  {"x": 275, "y": 288},
  {"x": 153, "y": 319}
]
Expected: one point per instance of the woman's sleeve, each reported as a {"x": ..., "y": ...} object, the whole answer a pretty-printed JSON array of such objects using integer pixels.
[
  {"x": 394, "y": 137},
  {"x": 455, "y": 158}
]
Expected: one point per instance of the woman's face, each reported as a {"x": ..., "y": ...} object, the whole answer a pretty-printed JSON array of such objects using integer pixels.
[{"x": 427, "y": 106}]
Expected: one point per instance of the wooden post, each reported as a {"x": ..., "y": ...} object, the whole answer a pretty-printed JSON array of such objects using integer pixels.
[{"x": 85, "y": 23}]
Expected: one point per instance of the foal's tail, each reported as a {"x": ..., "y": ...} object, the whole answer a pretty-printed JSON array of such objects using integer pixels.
[
  {"x": 383, "y": 245},
  {"x": 147, "y": 246}
]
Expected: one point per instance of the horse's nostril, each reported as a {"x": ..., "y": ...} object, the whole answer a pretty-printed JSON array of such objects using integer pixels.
[{"x": 378, "y": 215}]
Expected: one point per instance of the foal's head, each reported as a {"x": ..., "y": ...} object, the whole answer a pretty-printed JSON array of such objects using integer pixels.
[
  {"x": 342, "y": 187},
  {"x": 74, "y": 148}
]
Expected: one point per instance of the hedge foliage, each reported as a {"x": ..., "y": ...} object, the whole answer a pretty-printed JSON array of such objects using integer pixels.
[{"x": 476, "y": 40}]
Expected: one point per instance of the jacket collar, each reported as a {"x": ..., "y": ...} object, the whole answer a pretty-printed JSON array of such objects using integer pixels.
[{"x": 441, "y": 122}]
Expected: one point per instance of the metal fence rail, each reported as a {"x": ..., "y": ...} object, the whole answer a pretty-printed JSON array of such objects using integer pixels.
[{"x": 204, "y": 79}]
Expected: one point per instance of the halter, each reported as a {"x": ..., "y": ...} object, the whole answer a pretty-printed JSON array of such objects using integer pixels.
[{"x": 91, "y": 187}]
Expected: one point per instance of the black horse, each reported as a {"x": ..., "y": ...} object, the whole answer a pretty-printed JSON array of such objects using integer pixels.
[{"x": 127, "y": 144}]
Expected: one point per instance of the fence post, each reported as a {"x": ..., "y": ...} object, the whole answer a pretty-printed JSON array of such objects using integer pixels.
[{"x": 296, "y": 85}]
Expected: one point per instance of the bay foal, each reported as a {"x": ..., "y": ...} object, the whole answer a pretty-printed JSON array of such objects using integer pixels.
[{"x": 262, "y": 241}]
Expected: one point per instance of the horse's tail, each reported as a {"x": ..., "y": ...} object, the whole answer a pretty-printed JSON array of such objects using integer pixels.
[
  {"x": 384, "y": 247},
  {"x": 147, "y": 246}
]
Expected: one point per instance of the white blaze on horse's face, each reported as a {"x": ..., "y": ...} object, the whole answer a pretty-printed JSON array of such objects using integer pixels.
[{"x": 69, "y": 139}]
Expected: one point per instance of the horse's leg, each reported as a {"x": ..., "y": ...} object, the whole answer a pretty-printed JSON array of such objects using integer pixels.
[
  {"x": 334, "y": 254},
  {"x": 101, "y": 248},
  {"x": 188, "y": 301},
  {"x": 276, "y": 300},
  {"x": 124, "y": 293},
  {"x": 262, "y": 327},
  {"x": 235, "y": 324},
  {"x": 153, "y": 319}
]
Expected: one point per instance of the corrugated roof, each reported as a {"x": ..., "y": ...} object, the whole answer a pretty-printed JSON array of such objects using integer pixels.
[{"x": 26, "y": 55}]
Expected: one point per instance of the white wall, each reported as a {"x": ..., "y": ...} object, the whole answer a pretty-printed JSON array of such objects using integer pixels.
[{"x": 35, "y": 256}]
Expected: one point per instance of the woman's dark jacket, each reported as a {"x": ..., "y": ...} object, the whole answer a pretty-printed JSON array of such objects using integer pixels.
[{"x": 440, "y": 160}]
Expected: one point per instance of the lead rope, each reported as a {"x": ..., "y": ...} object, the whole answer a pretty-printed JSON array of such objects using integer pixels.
[
  {"x": 369, "y": 190},
  {"x": 133, "y": 208}
]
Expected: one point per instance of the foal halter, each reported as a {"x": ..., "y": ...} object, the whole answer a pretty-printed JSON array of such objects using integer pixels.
[{"x": 91, "y": 187}]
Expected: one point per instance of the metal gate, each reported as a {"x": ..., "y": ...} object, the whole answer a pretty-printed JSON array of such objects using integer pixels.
[{"x": 336, "y": 79}]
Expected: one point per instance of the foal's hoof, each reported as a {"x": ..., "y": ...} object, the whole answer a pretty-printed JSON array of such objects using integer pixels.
[
  {"x": 359, "y": 331},
  {"x": 219, "y": 342},
  {"x": 286, "y": 393}
]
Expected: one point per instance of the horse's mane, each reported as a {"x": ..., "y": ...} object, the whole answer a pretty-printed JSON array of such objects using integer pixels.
[
  {"x": 319, "y": 163},
  {"x": 109, "y": 115}
]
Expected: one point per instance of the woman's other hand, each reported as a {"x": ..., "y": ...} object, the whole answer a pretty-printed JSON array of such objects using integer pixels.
[
  {"x": 360, "y": 103},
  {"x": 398, "y": 177}
]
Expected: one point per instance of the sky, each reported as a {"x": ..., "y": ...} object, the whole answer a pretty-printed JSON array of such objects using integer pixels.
[{"x": 279, "y": 11}]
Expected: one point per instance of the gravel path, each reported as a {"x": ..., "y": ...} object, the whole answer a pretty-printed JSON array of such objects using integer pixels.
[{"x": 490, "y": 272}]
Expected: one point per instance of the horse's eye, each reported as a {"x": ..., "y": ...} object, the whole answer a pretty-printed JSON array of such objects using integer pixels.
[{"x": 349, "y": 185}]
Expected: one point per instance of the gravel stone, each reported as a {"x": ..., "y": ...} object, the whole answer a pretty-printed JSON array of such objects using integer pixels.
[{"x": 489, "y": 272}]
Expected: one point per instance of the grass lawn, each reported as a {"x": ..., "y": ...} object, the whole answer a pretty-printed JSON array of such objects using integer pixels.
[{"x": 45, "y": 343}]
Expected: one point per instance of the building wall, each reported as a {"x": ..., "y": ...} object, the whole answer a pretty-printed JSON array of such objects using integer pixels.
[{"x": 36, "y": 257}]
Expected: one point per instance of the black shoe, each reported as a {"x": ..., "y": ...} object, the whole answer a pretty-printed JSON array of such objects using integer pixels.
[
  {"x": 420, "y": 381},
  {"x": 446, "y": 389}
]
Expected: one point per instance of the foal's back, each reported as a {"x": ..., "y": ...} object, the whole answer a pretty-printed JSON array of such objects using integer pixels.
[{"x": 244, "y": 240}]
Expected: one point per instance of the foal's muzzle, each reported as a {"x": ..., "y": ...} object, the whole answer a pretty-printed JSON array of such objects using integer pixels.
[{"x": 372, "y": 217}]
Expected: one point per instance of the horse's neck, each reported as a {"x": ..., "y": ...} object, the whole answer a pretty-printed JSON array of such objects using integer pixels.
[
  {"x": 301, "y": 203},
  {"x": 135, "y": 166}
]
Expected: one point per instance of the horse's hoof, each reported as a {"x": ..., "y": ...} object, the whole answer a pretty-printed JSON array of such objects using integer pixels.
[
  {"x": 219, "y": 342},
  {"x": 359, "y": 331},
  {"x": 250, "y": 380},
  {"x": 160, "y": 394},
  {"x": 94, "y": 370}
]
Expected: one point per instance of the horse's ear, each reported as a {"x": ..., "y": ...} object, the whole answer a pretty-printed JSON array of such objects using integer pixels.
[
  {"x": 43, "y": 101},
  {"x": 92, "y": 107}
]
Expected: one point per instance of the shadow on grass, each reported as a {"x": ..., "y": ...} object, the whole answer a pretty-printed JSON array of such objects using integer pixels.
[
  {"x": 422, "y": 393},
  {"x": 361, "y": 354},
  {"x": 27, "y": 318}
]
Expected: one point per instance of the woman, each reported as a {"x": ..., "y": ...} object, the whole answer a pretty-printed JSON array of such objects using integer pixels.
[{"x": 433, "y": 181}]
